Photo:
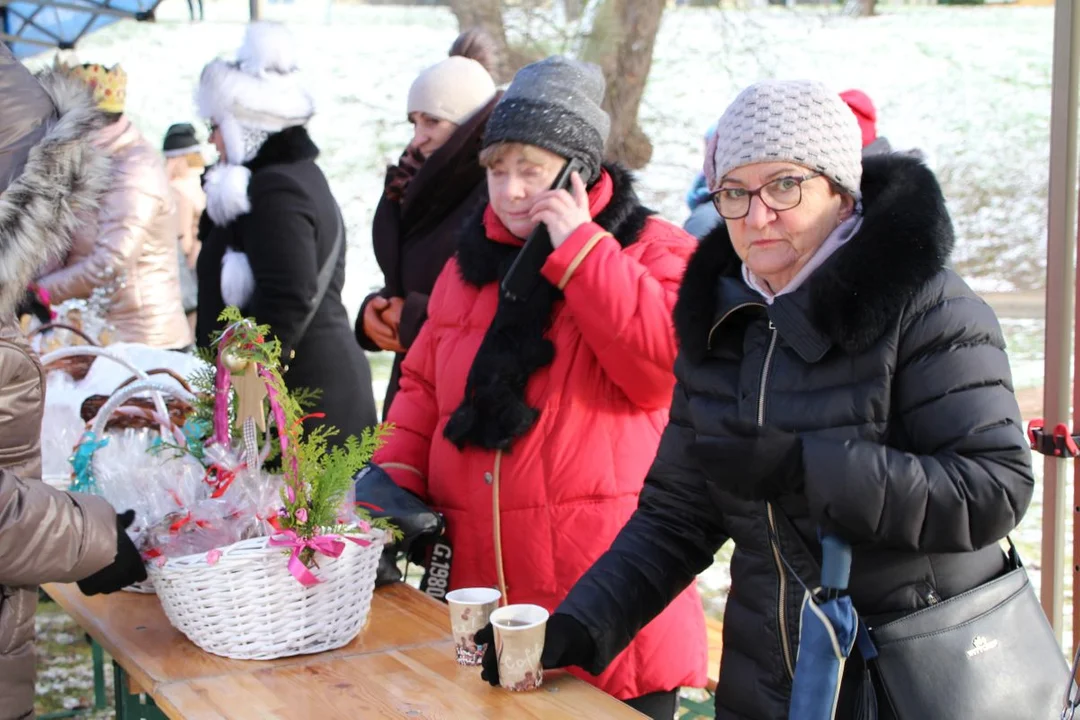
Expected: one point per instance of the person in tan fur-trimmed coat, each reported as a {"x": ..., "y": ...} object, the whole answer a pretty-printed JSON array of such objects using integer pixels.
[{"x": 48, "y": 175}]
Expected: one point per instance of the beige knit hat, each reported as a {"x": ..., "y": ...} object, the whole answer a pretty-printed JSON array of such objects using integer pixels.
[
  {"x": 451, "y": 90},
  {"x": 798, "y": 121}
]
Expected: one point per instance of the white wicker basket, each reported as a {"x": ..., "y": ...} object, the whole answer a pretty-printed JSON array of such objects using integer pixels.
[{"x": 248, "y": 606}]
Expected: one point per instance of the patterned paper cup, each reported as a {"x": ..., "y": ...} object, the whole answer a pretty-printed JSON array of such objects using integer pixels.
[
  {"x": 519, "y": 643},
  {"x": 469, "y": 612}
]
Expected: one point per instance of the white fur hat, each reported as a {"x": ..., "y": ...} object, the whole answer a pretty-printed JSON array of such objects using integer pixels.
[
  {"x": 258, "y": 93},
  {"x": 260, "y": 90}
]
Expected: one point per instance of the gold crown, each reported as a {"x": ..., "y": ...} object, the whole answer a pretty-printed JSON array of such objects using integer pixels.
[{"x": 108, "y": 85}]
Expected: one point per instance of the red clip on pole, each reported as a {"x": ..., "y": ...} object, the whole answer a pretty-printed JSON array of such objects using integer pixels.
[
  {"x": 1062, "y": 435},
  {"x": 1034, "y": 426}
]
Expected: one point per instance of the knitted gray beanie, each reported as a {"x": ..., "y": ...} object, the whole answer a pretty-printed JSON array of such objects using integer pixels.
[
  {"x": 798, "y": 121},
  {"x": 555, "y": 104}
]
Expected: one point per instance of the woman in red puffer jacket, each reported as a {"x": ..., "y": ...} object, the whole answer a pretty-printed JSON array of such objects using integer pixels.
[{"x": 531, "y": 425}]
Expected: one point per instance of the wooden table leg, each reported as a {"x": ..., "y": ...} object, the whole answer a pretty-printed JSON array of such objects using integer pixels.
[{"x": 100, "y": 698}]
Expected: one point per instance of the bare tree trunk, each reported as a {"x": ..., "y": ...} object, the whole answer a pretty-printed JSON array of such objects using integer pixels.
[
  {"x": 622, "y": 42},
  {"x": 620, "y": 36},
  {"x": 860, "y": 8},
  {"x": 487, "y": 14}
]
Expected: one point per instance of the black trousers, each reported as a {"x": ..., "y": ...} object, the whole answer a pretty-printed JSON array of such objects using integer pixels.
[{"x": 657, "y": 705}]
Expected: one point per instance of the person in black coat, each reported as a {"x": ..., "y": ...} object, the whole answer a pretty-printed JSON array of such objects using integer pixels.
[
  {"x": 272, "y": 224},
  {"x": 437, "y": 184},
  {"x": 834, "y": 375}
]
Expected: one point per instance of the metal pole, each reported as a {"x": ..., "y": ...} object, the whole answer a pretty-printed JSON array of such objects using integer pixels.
[
  {"x": 1060, "y": 282},
  {"x": 253, "y": 9}
]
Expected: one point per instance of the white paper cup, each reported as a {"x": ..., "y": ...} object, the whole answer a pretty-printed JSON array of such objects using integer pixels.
[
  {"x": 469, "y": 612},
  {"x": 519, "y": 643}
]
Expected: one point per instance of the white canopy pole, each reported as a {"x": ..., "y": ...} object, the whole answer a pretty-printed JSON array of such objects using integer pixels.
[{"x": 1060, "y": 288}]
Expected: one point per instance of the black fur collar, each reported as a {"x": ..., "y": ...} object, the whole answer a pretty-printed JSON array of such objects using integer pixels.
[
  {"x": 905, "y": 240},
  {"x": 290, "y": 145},
  {"x": 482, "y": 261},
  {"x": 493, "y": 412}
]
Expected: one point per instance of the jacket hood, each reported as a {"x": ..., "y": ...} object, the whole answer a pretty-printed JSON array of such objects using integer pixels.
[
  {"x": 62, "y": 179},
  {"x": 905, "y": 240}
]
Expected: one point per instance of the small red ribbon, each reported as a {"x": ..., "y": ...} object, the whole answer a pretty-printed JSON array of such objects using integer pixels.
[
  {"x": 179, "y": 524},
  {"x": 329, "y": 545},
  {"x": 221, "y": 478}
]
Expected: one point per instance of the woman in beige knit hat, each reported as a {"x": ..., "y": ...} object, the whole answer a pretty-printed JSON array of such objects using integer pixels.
[
  {"x": 834, "y": 373},
  {"x": 436, "y": 184}
]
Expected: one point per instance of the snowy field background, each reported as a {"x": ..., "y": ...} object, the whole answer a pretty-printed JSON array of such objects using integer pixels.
[{"x": 968, "y": 86}]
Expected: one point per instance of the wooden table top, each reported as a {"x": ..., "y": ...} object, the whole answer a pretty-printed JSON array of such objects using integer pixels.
[{"x": 400, "y": 666}]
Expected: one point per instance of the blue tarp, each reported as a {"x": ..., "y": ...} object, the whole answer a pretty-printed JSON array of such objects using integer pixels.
[{"x": 34, "y": 27}]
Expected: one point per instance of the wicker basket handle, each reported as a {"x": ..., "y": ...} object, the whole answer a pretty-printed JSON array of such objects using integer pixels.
[
  {"x": 62, "y": 353},
  {"x": 63, "y": 326},
  {"x": 119, "y": 397},
  {"x": 160, "y": 371}
]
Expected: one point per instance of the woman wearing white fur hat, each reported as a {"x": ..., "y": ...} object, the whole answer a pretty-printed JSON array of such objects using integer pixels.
[{"x": 273, "y": 237}]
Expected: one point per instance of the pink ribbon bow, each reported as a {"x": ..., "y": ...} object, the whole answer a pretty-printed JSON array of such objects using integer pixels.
[{"x": 329, "y": 545}]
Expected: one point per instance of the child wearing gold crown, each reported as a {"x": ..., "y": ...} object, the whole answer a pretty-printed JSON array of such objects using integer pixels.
[{"x": 129, "y": 245}]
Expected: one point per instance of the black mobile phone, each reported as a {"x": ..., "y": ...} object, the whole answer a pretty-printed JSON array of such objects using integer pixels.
[{"x": 522, "y": 277}]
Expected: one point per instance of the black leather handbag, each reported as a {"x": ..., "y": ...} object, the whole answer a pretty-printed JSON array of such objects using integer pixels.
[
  {"x": 420, "y": 526},
  {"x": 986, "y": 654}
]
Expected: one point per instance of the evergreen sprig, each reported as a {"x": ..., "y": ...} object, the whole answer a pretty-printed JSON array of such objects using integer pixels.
[{"x": 317, "y": 478}]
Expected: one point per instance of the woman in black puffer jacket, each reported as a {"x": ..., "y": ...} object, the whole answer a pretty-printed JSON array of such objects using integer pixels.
[{"x": 833, "y": 373}]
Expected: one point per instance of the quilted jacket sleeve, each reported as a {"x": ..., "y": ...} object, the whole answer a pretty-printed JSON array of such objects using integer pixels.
[
  {"x": 415, "y": 412},
  {"x": 963, "y": 479},
  {"x": 623, "y": 299},
  {"x": 47, "y": 535},
  {"x": 671, "y": 537}
]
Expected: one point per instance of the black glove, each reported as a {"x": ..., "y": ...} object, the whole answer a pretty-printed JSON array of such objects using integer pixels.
[
  {"x": 566, "y": 643},
  {"x": 126, "y": 569},
  {"x": 751, "y": 462}
]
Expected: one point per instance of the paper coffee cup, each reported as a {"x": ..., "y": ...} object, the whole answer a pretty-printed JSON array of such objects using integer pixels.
[
  {"x": 470, "y": 609},
  {"x": 519, "y": 643}
]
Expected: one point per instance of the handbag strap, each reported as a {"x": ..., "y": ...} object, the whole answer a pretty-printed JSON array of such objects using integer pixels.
[
  {"x": 1012, "y": 556},
  {"x": 325, "y": 277}
]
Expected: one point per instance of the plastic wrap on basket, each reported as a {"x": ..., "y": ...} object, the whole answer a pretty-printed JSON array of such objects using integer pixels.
[
  {"x": 61, "y": 429},
  {"x": 121, "y": 467}
]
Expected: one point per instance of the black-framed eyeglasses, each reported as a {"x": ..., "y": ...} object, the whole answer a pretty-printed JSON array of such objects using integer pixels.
[{"x": 783, "y": 193}]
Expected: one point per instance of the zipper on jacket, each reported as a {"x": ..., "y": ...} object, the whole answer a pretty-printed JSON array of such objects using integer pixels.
[
  {"x": 765, "y": 374},
  {"x": 781, "y": 605},
  {"x": 499, "y": 571}
]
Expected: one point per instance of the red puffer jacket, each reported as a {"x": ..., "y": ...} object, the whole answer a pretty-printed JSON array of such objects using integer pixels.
[{"x": 531, "y": 520}]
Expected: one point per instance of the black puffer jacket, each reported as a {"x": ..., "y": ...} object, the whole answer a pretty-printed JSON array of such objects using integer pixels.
[{"x": 895, "y": 376}]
